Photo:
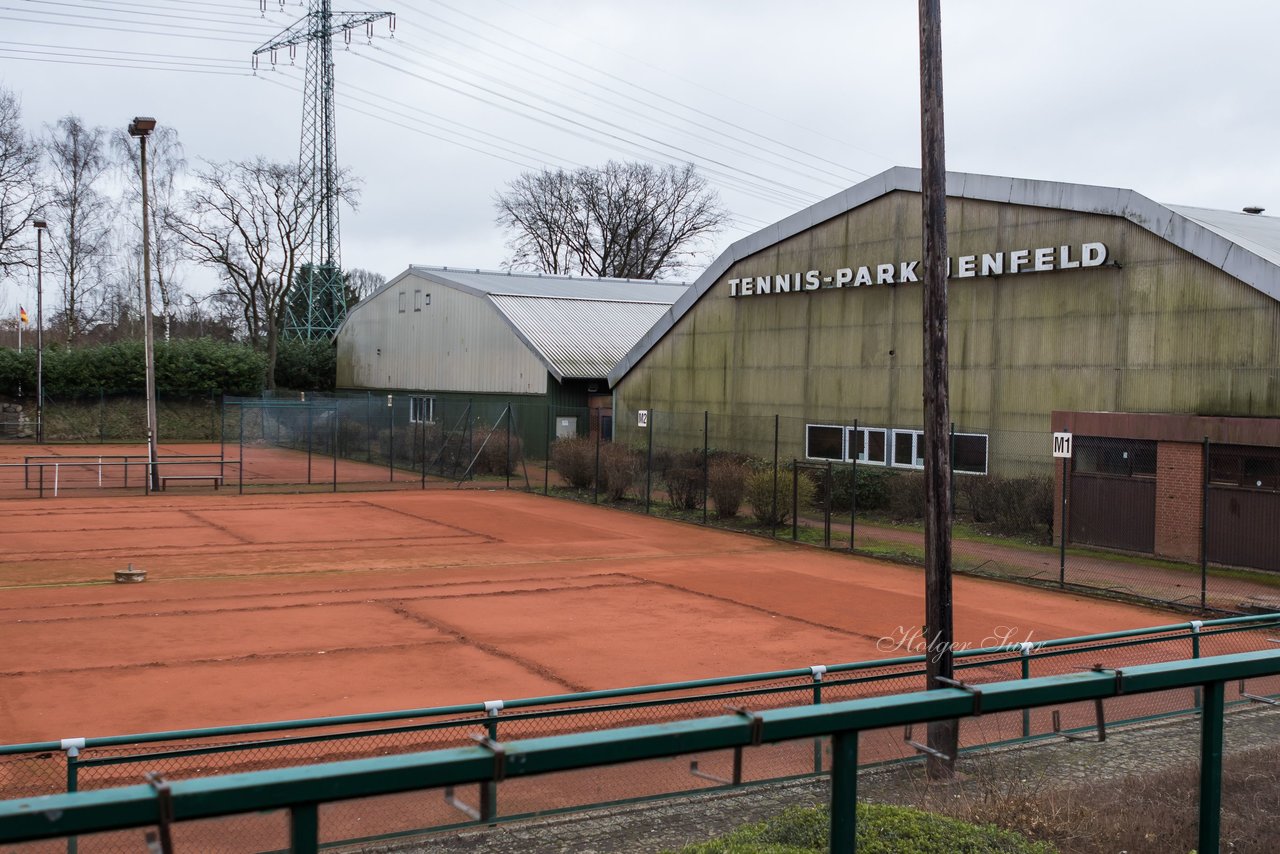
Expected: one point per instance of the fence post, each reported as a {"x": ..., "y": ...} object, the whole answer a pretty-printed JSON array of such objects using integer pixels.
[
  {"x": 853, "y": 491},
  {"x": 72, "y": 747},
  {"x": 1204, "y": 524},
  {"x": 595, "y": 481},
  {"x": 489, "y": 790},
  {"x": 102, "y": 415},
  {"x": 648, "y": 468},
  {"x": 706, "y": 463},
  {"x": 333, "y": 441},
  {"x": 952, "y": 471},
  {"x": 1062, "y": 535},
  {"x": 1211, "y": 767},
  {"x": 546, "y": 462},
  {"x": 795, "y": 499},
  {"x": 308, "y": 440},
  {"x": 391, "y": 439},
  {"x": 1196, "y": 626},
  {"x": 240, "y": 456},
  {"x": 510, "y": 415},
  {"x": 817, "y": 671},
  {"x": 304, "y": 828},
  {"x": 844, "y": 792},
  {"x": 368, "y": 426},
  {"x": 826, "y": 509},
  {"x": 773, "y": 529},
  {"x": 1026, "y": 647}
]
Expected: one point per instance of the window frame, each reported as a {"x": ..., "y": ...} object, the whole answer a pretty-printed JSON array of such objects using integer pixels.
[
  {"x": 404, "y": 301},
  {"x": 986, "y": 453},
  {"x": 843, "y": 441},
  {"x": 417, "y": 404},
  {"x": 917, "y": 449},
  {"x": 865, "y": 434}
]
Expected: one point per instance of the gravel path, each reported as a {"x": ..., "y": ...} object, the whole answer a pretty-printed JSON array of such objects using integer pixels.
[{"x": 669, "y": 824}]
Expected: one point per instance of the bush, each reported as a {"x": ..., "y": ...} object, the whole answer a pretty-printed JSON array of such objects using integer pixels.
[
  {"x": 761, "y": 497},
  {"x": 882, "y": 829},
  {"x": 183, "y": 367},
  {"x": 906, "y": 496},
  {"x": 620, "y": 468},
  {"x": 871, "y": 488},
  {"x": 728, "y": 486},
  {"x": 1017, "y": 506},
  {"x": 306, "y": 365},
  {"x": 575, "y": 461},
  {"x": 493, "y": 458},
  {"x": 682, "y": 473}
]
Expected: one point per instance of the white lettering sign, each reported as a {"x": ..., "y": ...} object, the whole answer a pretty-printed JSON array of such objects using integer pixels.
[
  {"x": 642, "y": 418},
  {"x": 1041, "y": 259}
]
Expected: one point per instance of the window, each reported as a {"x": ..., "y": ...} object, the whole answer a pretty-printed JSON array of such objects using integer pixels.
[
  {"x": 1121, "y": 457},
  {"x": 824, "y": 442},
  {"x": 403, "y": 295},
  {"x": 969, "y": 453},
  {"x": 417, "y": 300},
  {"x": 908, "y": 449},
  {"x": 1245, "y": 466},
  {"x": 422, "y": 410},
  {"x": 867, "y": 445}
]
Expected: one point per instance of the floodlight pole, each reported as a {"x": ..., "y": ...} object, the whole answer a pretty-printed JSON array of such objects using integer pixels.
[
  {"x": 939, "y": 635},
  {"x": 41, "y": 228},
  {"x": 141, "y": 127}
]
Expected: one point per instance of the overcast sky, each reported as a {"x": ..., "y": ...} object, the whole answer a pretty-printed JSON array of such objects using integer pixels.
[{"x": 781, "y": 104}]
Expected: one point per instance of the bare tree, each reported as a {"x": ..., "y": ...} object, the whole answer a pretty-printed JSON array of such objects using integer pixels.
[
  {"x": 166, "y": 163},
  {"x": 630, "y": 220},
  {"x": 19, "y": 187},
  {"x": 359, "y": 283},
  {"x": 251, "y": 222},
  {"x": 80, "y": 219}
]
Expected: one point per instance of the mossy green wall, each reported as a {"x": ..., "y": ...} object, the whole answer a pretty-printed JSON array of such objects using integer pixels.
[{"x": 1161, "y": 332}]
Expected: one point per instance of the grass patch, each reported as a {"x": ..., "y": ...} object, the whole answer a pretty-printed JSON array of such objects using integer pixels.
[{"x": 882, "y": 829}]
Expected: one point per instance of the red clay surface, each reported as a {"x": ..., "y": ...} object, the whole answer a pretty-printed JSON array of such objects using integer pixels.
[{"x": 271, "y": 607}]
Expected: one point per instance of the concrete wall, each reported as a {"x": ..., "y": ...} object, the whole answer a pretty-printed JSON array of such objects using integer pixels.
[{"x": 1161, "y": 332}]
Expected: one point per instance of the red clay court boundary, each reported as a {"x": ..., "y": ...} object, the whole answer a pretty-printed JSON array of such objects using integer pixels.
[{"x": 269, "y": 607}]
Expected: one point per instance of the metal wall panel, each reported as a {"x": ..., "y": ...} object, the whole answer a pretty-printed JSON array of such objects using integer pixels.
[{"x": 458, "y": 342}]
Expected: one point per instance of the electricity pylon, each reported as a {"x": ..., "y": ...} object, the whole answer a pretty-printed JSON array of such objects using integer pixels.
[{"x": 317, "y": 305}]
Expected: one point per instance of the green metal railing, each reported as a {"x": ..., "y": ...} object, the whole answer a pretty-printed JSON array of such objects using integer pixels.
[
  {"x": 302, "y": 791},
  {"x": 95, "y": 763}
]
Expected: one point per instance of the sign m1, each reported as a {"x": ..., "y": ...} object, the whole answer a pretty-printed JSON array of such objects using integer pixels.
[{"x": 1062, "y": 445}]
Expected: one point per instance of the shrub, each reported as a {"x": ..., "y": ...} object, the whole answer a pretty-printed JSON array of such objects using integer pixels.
[
  {"x": 728, "y": 486},
  {"x": 306, "y": 365},
  {"x": 906, "y": 495},
  {"x": 761, "y": 497},
  {"x": 1019, "y": 506},
  {"x": 620, "y": 468},
  {"x": 493, "y": 458},
  {"x": 575, "y": 461},
  {"x": 683, "y": 475},
  {"x": 882, "y": 829},
  {"x": 871, "y": 488}
]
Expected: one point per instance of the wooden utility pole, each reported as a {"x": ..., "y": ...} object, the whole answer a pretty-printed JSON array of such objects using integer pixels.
[{"x": 943, "y": 735}]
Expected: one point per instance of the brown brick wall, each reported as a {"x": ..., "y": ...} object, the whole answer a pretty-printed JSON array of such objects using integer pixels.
[{"x": 1179, "y": 503}]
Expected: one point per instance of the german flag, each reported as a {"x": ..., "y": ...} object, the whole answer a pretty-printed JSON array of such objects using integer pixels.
[{"x": 22, "y": 315}]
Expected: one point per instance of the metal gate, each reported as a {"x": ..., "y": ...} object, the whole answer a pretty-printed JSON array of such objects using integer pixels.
[
  {"x": 1243, "y": 506},
  {"x": 1113, "y": 493}
]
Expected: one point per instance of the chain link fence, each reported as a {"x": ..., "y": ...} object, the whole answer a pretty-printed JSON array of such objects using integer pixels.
[{"x": 86, "y": 764}]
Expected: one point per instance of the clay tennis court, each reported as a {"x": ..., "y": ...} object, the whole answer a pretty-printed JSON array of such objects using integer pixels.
[{"x": 269, "y": 607}]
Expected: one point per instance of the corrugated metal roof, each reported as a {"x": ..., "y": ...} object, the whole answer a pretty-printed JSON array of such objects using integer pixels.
[
  {"x": 566, "y": 287},
  {"x": 1259, "y": 234},
  {"x": 577, "y": 338}
]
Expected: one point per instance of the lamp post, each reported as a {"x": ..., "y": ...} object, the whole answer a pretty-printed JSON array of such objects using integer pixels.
[
  {"x": 141, "y": 127},
  {"x": 41, "y": 228}
]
